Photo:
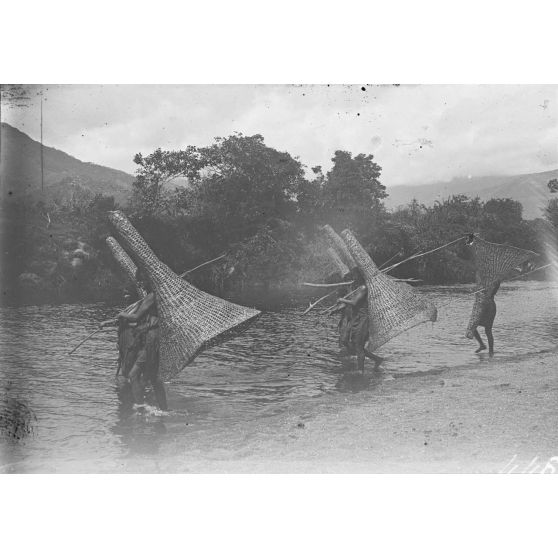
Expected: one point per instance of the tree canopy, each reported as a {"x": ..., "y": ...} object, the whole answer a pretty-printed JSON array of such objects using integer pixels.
[{"x": 262, "y": 207}]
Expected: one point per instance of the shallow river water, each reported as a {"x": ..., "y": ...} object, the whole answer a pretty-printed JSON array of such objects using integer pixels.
[{"x": 283, "y": 361}]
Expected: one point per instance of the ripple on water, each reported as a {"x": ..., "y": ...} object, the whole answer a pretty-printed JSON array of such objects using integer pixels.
[{"x": 284, "y": 359}]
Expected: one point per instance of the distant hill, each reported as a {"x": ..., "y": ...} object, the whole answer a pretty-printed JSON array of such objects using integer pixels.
[
  {"x": 64, "y": 176},
  {"x": 20, "y": 171},
  {"x": 529, "y": 189}
]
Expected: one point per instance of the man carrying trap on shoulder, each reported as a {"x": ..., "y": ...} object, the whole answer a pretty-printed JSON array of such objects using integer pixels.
[{"x": 382, "y": 307}]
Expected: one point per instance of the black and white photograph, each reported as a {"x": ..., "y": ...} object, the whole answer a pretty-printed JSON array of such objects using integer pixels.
[{"x": 279, "y": 278}]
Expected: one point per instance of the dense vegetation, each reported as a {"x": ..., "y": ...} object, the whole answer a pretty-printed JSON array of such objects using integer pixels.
[{"x": 261, "y": 208}]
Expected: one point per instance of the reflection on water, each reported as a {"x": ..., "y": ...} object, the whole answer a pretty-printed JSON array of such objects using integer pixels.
[{"x": 284, "y": 359}]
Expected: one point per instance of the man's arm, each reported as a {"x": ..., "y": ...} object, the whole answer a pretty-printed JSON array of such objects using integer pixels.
[
  {"x": 355, "y": 299},
  {"x": 138, "y": 313}
]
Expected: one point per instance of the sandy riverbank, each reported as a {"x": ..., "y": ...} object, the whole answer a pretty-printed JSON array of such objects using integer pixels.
[
  {"x": 466, "y": 419},
  {"x": 475, "y": 419}
]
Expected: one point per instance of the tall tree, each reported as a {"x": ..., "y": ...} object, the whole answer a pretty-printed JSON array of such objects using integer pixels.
[
  {"x": 155, "y": 171},
  {"x": 246, "y": 184},
  {"x": 352, "y": 193},
  {"x": 236, "y": 187}
]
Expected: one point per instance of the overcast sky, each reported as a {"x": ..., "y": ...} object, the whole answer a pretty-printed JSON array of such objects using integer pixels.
[{"x": 417, "y": 134}]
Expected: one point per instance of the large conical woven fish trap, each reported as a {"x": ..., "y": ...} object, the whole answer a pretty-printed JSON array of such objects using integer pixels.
[
  {"x": 323, "y": 263},
  {"x": 493, "y": 262},
  {"x": 392, "y": 307},
  {"x": 127, "y": 266},
  {"x": 330, "y": 256},
  {"x": 190, "y": 319},
  {"x": 337, "y": 262},
  {"x": 340, "y": 248}
]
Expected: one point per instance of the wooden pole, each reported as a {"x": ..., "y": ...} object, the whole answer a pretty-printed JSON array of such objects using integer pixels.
[
  {"x": 201, "y": 265},
  {"x": 516, "y": 277},
  {"x": 420, "y": 255},
  {"x": 326, "y": 285},
  {"x": 387, "y": 261},
  {"x": 318, "y": 301},
  {"x": 42, "y": 162},
  {"x": 84, "y": 340}
]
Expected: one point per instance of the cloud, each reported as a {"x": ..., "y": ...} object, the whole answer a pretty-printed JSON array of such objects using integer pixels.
[{"x": 417, "y": 133}]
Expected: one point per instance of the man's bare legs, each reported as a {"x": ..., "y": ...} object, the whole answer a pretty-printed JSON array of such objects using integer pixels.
[
  {"x": 360, "y": 360},
  {"x": 160, "y": 394},
  {"x": 482, "y": 346},
  {"x": 136, "y": 381},
  {"x": 366, "y": 353},
  {"x": 377, "y": 360},
  {"x": 490, "y": 337}
]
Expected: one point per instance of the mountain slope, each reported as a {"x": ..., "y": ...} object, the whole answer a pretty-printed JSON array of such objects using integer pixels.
[
  {"x": 20, "y": 171},
  {"x": 64, "y": 176},
  {"x": 529, "y": 189}
]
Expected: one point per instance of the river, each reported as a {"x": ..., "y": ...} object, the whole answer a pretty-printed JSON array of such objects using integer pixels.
[{"x": 284, "y": 361}]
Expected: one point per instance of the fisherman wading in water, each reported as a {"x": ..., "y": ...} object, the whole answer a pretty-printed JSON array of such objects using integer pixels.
[
  {"x": 488, "y": 312},
  {"x": 138, "y": 342},
  {"x": 353, "y": 325}
]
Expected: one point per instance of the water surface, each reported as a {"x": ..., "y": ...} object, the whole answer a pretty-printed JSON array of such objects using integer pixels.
[{"x": 283, "y": 362}]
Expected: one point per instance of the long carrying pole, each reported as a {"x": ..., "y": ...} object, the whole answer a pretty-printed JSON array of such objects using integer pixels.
[
  {"x": 334, "y": 305},
  {"x": 327, "y": 285},
  {"x": 516, "y": 277},
  {"x": 84, "y": 340},
  {"x": 203, "y": 264},
  {"x": 442, "y": 305},
  {"x": 390, "y": 259},
  {"x": 471, "y": 293},
  {"x": 385, "y": 270},
  {"x": 42, "y": 162},
  {"x": 421, "y": 254},
  {"x": 318, "y": 301}
]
